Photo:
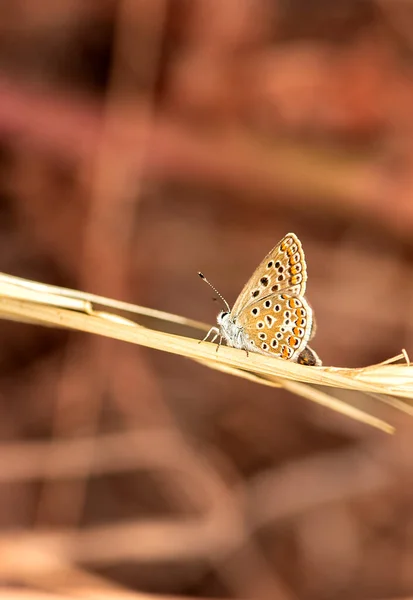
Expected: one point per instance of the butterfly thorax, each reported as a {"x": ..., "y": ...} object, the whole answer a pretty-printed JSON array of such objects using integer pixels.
[{"x": 233, "y": 333}]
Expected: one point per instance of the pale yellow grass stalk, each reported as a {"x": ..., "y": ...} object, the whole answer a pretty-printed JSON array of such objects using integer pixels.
[{"x": 33, "y": 302}]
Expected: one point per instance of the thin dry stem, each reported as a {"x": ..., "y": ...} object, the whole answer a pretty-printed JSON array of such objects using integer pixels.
[{"x": 47, "y": 305}]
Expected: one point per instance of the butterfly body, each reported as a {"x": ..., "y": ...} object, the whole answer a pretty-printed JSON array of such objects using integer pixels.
[
  {"x": 232, "y": 333},
  {"x": 271, "y": 315}
]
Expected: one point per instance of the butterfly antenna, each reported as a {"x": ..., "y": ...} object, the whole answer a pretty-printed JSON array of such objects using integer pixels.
[{"x": 202, "y": 276}]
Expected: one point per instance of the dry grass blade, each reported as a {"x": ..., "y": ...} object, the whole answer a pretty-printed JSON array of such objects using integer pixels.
[{"x": 38, "y": 303}]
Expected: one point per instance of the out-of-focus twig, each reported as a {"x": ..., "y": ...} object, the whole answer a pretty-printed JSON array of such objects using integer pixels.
[
  {"x": 107, "y": 238},
  {"x": 235, "y": 160},
  {"x": 342, "y": 474}
]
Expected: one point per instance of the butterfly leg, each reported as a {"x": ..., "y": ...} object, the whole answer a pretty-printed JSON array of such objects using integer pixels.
[
  {"x": 214, "y": 330},
  {"x": 216, "y": 333}
]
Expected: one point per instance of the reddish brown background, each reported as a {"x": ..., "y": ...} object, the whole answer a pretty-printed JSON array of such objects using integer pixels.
[{"x": 142, "y": 141}]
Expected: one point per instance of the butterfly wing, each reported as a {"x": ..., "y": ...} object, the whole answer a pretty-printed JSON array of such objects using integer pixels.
[
  {"x": 309, "y": 358},
  {"x": 279, "y": 325},
  {"x": 283, "y": 270}
]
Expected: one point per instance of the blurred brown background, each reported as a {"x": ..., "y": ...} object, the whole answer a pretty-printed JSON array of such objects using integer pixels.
[{"x": 142, "y": 141}]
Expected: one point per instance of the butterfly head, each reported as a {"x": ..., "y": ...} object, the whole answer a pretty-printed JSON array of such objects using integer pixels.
[
  {"x": 231, "y": 330},
  {"x": 223, "y": 318}
]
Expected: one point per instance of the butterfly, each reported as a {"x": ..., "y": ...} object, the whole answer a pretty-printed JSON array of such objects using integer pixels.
[{"x": 271, "y": 315}]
